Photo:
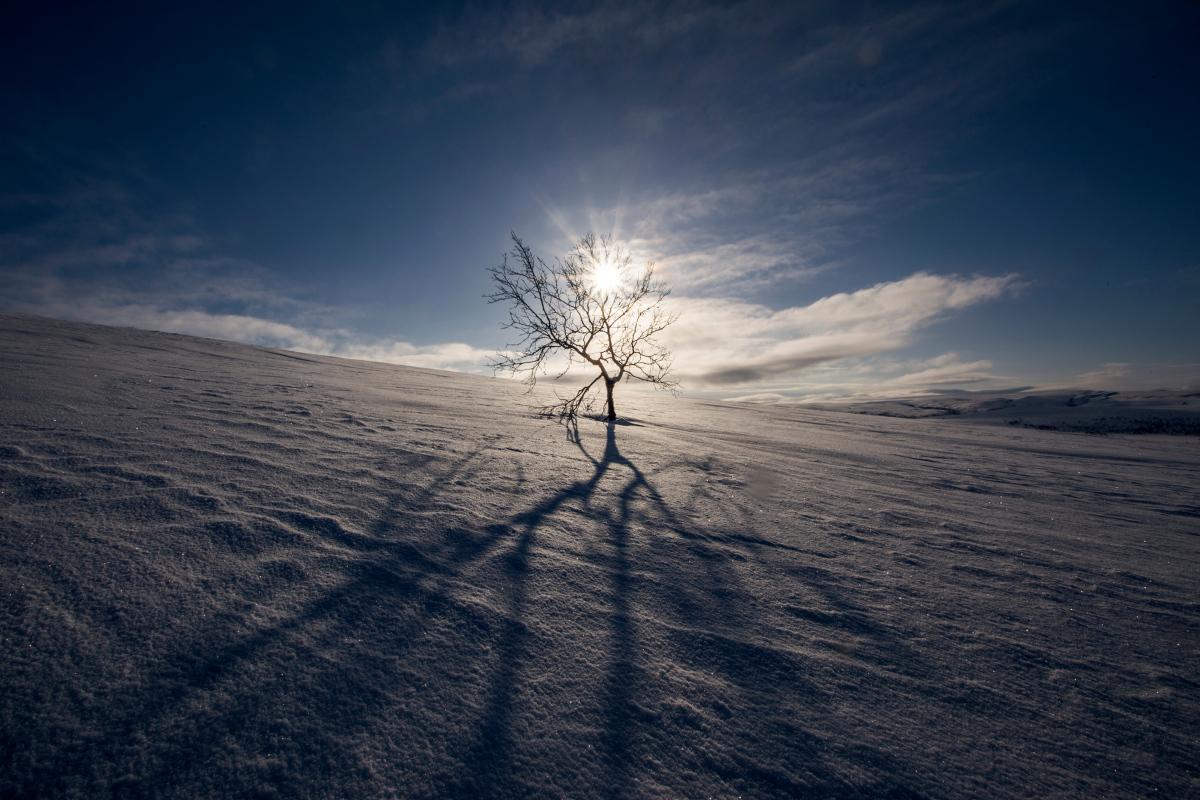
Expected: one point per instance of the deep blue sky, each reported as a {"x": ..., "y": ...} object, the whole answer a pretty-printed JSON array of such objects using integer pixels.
[{"x": 846, "y": 197}]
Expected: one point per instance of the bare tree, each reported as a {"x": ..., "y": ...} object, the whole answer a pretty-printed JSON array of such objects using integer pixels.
[{"x": 591, "y": 307}]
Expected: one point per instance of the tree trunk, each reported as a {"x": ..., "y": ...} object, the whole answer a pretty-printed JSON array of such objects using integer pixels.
[{"x": 612, "y": 411}]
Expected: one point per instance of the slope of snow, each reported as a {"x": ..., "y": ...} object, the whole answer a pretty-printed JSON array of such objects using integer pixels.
[{"x": 229, "y": 571}]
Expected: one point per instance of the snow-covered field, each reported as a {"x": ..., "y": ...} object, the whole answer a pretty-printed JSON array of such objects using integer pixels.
[{"x": 228, "y": 571}]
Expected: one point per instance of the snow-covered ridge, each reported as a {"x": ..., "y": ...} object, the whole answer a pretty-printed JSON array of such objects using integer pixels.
[
  {"x": 229, "y": 571},
  {"x": 1079, "y": 410}
]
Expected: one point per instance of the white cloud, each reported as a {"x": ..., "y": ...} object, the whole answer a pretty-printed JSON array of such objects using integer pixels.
[
  {"x": 149, "y": 271},
  {"x": 183, "y": 295},
  {"x": 269, "y": 333},
  {"x": 879, "y": 378},
  {"x": 748, "y": 262},
  {"x": 722, "y": 342},
  {"x": 234, "y": 327},
  {"x": 179, "y": 285},
  {"x": 450, "y": 355},
  {"x": 947, "y": 370},
  {"x": 755, "y": 228}
]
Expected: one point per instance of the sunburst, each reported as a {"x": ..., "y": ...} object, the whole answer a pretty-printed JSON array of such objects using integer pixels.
[{"x": 606, "y": 277}]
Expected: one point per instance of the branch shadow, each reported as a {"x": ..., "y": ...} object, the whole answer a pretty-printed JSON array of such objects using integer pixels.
[
  {"x": 194, "y": 696},
  {"x": 190, "y": 697},
  {"x": 487, "y": 769}
]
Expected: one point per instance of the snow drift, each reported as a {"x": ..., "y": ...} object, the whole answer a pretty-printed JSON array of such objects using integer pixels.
[{"x": 230, "y": 571}]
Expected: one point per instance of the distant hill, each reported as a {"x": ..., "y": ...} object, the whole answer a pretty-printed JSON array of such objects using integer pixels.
[{"x": 1088, "y": 411}]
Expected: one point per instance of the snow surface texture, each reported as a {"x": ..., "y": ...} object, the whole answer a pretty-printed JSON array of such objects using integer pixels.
[{"x": 229, "y": 571}]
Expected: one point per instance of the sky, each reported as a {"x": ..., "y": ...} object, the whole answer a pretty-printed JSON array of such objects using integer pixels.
[{"x": 848, "y": 199}]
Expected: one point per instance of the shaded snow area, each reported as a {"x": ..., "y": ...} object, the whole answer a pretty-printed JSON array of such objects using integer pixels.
[
  {"x": 229, "y": 571},
  {"x": 1081, "y": 411}
]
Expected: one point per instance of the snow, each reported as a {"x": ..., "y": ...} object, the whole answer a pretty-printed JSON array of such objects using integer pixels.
[
  {"x": 1081, "y": 410},
  {"x": 230, "y": 571}
]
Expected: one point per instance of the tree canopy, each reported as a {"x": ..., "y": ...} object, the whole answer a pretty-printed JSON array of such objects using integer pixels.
[{"x": 591, "y": 307}]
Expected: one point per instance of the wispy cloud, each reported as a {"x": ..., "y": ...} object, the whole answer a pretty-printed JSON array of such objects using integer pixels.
[
  {"x": 96, "y": 257},
  {"x": 758, "y": 228},
  {"x": 1107, "y": 376},
  {"x": 948, "y": 370},
  {"x": 261, "y": 331},
  {"x": 752, "y": 213},
  {"x": 723, "y": 342},
  {"x": 883, "y": 378},
  {"x": 1128, "y": 375},
  {"x": 124, "y": 266}
]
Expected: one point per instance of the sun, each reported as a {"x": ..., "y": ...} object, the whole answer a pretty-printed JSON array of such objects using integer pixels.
[{"x": 606, "y": 277}]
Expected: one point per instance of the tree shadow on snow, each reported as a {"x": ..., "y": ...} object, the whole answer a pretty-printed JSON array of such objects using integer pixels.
[
  {"x": 317, "y": 682},
  {"x": 487, "y": 766},
  {"x": 205, "y": 698},
  {"x": 625, "y": 687},
  {"x": 199, "y": 700}
]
